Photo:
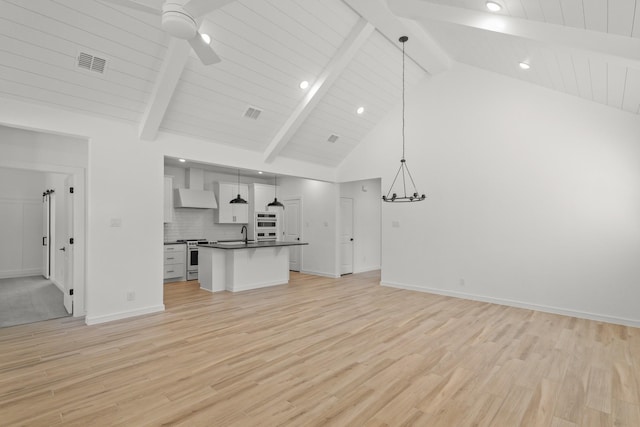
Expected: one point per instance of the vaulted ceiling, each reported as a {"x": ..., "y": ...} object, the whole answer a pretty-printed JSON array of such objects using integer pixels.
[{"x": 346, "y": 49}]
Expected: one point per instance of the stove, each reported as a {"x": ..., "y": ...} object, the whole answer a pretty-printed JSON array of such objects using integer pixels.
[{"x": 192, "y": 256}]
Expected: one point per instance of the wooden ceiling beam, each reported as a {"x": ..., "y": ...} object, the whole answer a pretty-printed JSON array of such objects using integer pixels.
[
  {"x": 358, "y": 36},
  {"x": 166, "y": 83}
]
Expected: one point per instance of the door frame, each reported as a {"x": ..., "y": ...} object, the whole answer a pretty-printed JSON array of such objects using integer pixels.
[
  {"x": 79, "y": 224},
  {"x": 300, "y": 222},
  {"x": 352, "y": 235}
]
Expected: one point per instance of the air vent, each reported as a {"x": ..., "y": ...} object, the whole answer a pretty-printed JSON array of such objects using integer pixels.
[
  {"x": 91, "y": 63},
  {"x": 333, "y": 138},
  {"x": 252, "y": 113}
]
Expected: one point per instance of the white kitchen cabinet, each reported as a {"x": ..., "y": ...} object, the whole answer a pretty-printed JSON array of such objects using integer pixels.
[
  {"x": 168, "y": 199},
  {"x": 260, "y": 195},
  {"x": 231, "y": 213},
  {"x": 175, "y": 262}
]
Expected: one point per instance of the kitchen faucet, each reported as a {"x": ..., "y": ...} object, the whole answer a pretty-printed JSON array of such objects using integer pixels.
[{"x": 245, "y": 233}]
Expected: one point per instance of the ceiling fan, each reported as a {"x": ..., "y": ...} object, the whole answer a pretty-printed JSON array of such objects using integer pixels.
[{"x": 180, "y": 18}]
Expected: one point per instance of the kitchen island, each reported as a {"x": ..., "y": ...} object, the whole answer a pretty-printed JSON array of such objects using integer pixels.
[{"x": 239, "y": 266}]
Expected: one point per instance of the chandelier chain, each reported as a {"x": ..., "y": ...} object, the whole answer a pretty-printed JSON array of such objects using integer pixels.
[{"x": 403, "y": 100}]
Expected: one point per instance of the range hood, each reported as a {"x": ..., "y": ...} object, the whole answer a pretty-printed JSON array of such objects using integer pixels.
[{"x": 194, "y": 196}]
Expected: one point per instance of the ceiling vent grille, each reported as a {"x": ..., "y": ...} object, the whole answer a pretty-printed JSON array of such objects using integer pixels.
[
  {"x": 91, "y": 63},
  {"x": 252, "y": 113},
  {"x": 333, "y": 138}
]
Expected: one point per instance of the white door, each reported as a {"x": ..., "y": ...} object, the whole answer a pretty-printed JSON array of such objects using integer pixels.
[
  {"x": 346, "y": 235},
  {"x": 292, "y": 231},
  {"x": 67, "y": 283},
  {"x": 46, "y": 238}
]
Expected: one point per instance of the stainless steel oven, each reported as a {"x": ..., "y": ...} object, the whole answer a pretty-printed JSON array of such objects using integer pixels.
[
  {"x": 192, "y": 257},
  {"x": 266, "y": 226}
]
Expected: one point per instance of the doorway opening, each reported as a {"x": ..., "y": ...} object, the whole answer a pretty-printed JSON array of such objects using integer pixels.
[{"x": 42, "y": 249}]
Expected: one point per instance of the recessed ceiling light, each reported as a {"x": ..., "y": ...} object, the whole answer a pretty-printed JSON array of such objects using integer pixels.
[
  {"x": 360, "y": 110},
  {"x": 260, "y": 172},
  {"x": 181, "y": 160},
  {"x": 304, "y": 84},
  {"x": 206, "y": 38},
  {"x": 493, "y": 6},
  {"x": 524, "y": 66}
]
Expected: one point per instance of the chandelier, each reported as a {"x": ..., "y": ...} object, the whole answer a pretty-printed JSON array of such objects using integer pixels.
[{"x": 392, "y": 195}]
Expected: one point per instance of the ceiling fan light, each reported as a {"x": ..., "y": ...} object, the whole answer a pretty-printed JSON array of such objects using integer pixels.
[
  {"x": 493, "y": 6},
  {"x": 177, "y": 23}
]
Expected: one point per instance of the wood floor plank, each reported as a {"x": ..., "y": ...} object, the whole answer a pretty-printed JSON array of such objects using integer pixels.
[{"x": 321, "y": 351}]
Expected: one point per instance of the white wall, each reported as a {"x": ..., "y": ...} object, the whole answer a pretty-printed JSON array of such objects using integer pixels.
[
  {"x": 319, "y": 222},
  {"x": 367, "y": 210},
  {"x": 533, "y": 197},
  {"x": 21, "y": 222},
  {"x": 125, "y": 185}
]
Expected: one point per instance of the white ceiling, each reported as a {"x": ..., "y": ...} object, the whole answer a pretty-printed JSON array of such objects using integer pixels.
[
  {"x": 346, "y": 49},
  {"x": 585, "y": 48}
]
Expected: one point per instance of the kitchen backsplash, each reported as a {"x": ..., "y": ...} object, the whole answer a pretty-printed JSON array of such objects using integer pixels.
[{"x": 196, "y": 224}]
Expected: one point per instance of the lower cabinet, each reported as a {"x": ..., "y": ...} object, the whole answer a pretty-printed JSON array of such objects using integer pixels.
[{"x": 175, "y": 262}]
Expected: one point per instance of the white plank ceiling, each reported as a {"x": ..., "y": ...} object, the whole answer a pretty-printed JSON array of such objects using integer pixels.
[{"x": 585, "y": 48}]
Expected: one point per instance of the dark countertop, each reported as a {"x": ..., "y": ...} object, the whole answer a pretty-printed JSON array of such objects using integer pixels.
[
  {"x": 174, "y": 243},
  {"x": 251, "y": 245}
]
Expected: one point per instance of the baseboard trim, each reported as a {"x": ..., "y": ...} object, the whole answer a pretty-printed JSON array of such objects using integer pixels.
[
  {"x": 519, "y": 304},
  {"x": 10, "y": 274},
  {"x": 367, "y": 269},
  {"x": 94, "y": 320},
  {"x": 58, "y": 285},
  {"x": 317, "y": 273}
]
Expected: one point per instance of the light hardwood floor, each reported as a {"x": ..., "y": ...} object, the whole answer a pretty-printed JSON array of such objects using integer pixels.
[{"x": 319, "y": 352}]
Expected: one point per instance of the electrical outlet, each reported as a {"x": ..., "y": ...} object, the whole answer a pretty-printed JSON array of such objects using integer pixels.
[{"x": 131, "y": 296}]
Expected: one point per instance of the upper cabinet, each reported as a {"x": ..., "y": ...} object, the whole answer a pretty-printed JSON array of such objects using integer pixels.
[
  {"x": 260, "y": 195},
  {"x": 168, "y": 199},
  {"x": 231, "y": 213}
]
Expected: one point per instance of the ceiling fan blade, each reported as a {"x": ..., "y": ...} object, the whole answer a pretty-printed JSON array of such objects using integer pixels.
[
  {"x": 137, "y": 6},
  {"x": 203, "y": 50},
  {"x": 197, "y": 8}
]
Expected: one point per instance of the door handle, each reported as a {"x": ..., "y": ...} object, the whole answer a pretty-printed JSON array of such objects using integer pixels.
[
  {"x": 44, "y": 241},
  {"x": 351, "y": 239},
  {"x": 297, "y": 238},
  {"x": 63, "y": 249}
]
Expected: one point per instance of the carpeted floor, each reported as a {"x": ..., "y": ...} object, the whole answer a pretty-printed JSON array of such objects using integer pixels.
[{"x": 29, "y": 299}]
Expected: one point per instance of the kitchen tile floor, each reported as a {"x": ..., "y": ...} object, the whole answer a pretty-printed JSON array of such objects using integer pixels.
[{"x": 29, "y": 299}]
